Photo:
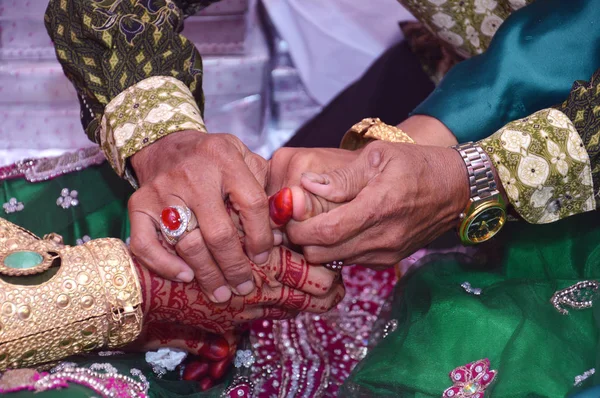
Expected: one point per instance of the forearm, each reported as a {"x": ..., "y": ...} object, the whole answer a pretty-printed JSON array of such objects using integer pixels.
[
  {"x": 136, "y": 77},
  {"x": 516, "y": 77}
]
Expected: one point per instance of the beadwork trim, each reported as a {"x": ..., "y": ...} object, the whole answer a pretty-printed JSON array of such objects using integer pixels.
[
  {"x": 43, "y": 169},
  {"x": 578, "y": 296},
  {"x": 579, "y": 379}
]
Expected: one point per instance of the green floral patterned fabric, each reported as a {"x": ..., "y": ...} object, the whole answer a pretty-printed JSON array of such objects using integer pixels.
[
  {"x": 145, "y": 112},
  {"x": 548, "y": 162},
  {"x": 108, "y": 46},
  {"x": 465, "y": 26}
]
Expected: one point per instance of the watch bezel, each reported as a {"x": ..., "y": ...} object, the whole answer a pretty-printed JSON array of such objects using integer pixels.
[{"x": 493, "y": 202}]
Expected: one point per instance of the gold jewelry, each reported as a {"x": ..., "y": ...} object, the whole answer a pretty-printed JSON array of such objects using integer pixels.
[
  {"x": 88, "y": 297},
  {"x": 371, "y": 129}
]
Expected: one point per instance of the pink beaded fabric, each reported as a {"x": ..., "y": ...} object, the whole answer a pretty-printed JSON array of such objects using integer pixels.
[{"x": 312, "y": 355}]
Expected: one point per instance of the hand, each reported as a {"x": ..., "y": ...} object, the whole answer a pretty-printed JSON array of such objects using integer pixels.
[
  {"x": 200, "y": 171},
  {"x": 287, "y": 166},
  {"x": 286, "y": 285},
  {"x": 400, "y": 198},
  {"x": 210, "y": 355}
]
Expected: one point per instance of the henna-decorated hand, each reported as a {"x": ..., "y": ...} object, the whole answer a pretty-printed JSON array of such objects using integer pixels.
[
  {"x": 210, "y": 354},
  {"x": 286, "y": 285}
]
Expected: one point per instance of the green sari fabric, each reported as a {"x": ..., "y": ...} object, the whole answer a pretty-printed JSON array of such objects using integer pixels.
[
  {"x": 531, "y": 64},
  {"x": 101, "y": 212},
  {"x": 537, "y": 351}
]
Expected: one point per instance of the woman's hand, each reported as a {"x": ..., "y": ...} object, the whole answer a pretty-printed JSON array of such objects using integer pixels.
[{"x": 392, "y": 200}]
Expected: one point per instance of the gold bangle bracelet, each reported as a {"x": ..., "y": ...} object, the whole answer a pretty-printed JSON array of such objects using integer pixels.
[
  {"x": 372, "y": 129},
  {"x": 89, "y": 298}
]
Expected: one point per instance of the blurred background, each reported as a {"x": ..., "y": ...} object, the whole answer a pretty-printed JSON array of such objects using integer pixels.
[{"x": 269, "y": 67}]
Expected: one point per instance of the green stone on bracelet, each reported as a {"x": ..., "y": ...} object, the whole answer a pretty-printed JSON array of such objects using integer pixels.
[{"x": 23, "y": 260}]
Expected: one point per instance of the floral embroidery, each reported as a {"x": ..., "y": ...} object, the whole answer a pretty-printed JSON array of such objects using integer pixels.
[
  {"x": 13, "y": 206},
  {"x": 67, "y": 198},
  {"x": 145, "y": 112},
  {"x": 470, "y": 380},
  {"x": 468, "y": 26},
  {"x": 543, "y": 166},
  {"x": 244, "y": 358}
]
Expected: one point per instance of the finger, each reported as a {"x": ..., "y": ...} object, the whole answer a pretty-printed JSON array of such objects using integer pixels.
[
  {"x": 292, "y": 270},
  {"x": 184, "y": 337},
  {"x": 148, "y": 250},
  {"x": 319, "y": 305},
  {"x": 208, "y": 274},
  {"x": 337, "y": 225},
  {"x": 345, "y": 183},
  {"x": 278, "y": 313},
  {"x": 221, "y": 237},
  {"x": 249, "y": 198},
  {"x": 307, "y": 205}
]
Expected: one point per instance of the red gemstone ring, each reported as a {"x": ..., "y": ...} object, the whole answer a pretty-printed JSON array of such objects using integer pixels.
[{"x": 175, "y": 221}]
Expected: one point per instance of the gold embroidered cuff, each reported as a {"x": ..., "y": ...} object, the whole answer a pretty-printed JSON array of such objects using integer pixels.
[
  {"x": 371, "y": 129},
  {"x": 544, "y": 166},
  {"x": 88, "y": 299},
  {"x": 137, "y": 117}
]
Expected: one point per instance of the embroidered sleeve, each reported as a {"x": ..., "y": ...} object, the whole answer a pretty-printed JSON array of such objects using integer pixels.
[
  {"x": 465, "y": 26},
  {"x": 549, "y": 162},
  {"x": 136, "y": 77}
]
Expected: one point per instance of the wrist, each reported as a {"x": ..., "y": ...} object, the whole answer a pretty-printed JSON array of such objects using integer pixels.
[
  {"x": 427, "y": 130},
  {"x": 146, "y": 161}
]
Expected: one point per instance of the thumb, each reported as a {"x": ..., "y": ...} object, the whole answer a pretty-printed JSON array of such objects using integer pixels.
[{"x": 345, "y": 183}]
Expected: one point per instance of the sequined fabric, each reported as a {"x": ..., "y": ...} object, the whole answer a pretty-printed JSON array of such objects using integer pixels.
[{"x": 312, "y": 355}]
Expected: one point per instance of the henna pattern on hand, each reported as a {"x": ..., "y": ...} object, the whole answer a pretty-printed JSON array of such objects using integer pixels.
[{"x": 286, "y": 284}]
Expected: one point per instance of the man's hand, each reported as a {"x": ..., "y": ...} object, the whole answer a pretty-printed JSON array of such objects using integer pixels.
[
  {"x": 289, "y": 164},
  {"x": 393, "y": 199},
  {"x": 200, "y": 171}
]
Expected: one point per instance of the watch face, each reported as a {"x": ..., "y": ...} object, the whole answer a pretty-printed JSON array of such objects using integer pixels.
[{"x": 486, "y": 224}]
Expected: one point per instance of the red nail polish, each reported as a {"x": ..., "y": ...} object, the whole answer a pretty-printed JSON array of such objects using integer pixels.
[
  {"x": 215, "y": 348},
  {"x": 205, "y": 383},
  {"x": 218, "y": 369},
  {"x": 281, "y": 206},
  {"x": 195, "y": 370}
]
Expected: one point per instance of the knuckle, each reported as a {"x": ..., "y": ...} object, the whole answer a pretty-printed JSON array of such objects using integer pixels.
[
  {"x": 221, "y": 235},
  {"x": 312, "y": 255},
  {"x": 256, "y": 202},
  {"x": 330, "y": 233},
  {"x": 209, "y": 277},
  {"x": 191, "y": 246},
  {"x": 214, "y": 145},
  {"x": 237, "y": 272},
  {"x": 282, "y": 155},
  {"x": 138, "y": 245}
]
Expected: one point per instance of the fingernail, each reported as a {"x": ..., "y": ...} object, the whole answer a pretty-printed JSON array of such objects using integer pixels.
[
  {"x": 261, "y": 258},
  {"x": 281, "y": 206},
  {"x": 245, "y": 288},
  {"x": 222, "y": 294},
  {"x": 185, "y": 276},
  {"x": 316, "y": 178}
]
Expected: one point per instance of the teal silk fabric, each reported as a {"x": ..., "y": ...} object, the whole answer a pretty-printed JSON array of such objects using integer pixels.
[{"x": 531, "y": 64}]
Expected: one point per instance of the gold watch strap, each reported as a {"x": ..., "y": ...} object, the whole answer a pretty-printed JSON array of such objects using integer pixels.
[{"x": 372, "y": 129}]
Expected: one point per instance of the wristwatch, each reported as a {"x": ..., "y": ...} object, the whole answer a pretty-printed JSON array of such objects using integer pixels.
[{"x": 485, "y": 213}]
